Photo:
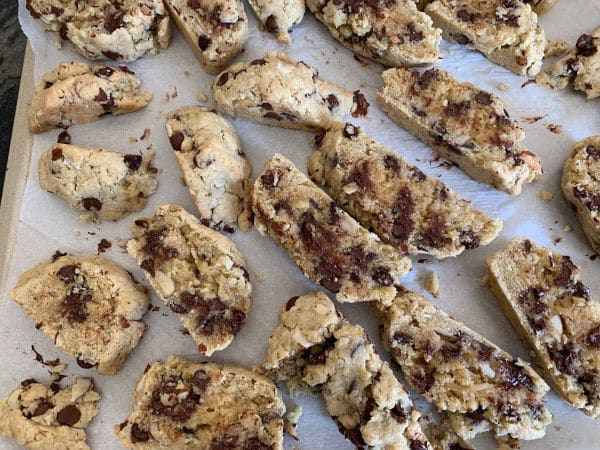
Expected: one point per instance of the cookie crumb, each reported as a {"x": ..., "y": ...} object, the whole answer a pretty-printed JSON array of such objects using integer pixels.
[
  {"x": 260, "y": 277},
  {"x": 145, "y": 135},
  {"x": 132, "y": 139},
  {"x": 201, "y": 97},
  {"x": 557, "y": 240},
  {"x": 432, "y": 284},
  {"x": 88, "y": 218},
  {"x": 554, "y": 128},
  {"x": 485, "y": 281},
  {"x": 503, "y": 87},
  {"x": 567, "y": 228},
  {"x": 533, "y": 119},
  {"x": 555, "y": 47},
  {"x": 545, "y": 196},
  {"x": 507, "y": 443},
  {"x": 291, "y": 420},
  {"x": 174, "y": 93},
  {"x": 182, "y": 181},
  {"x": 104, "y": 245}
]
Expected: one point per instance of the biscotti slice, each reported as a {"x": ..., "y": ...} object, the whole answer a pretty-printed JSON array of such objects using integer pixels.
[
  {"x": 580, "y": 66},
  {"x": 462, "y": 123},
  {"x": 41, "y": 417},
  {"x": 183, "y": 404},
  {"x": 279, "y": 91},
  {"x": 107, "y": 184},
  {"x": 330, "y": 247},
  {"x": 393, "y": 198},
  {"x": 214, "y": 167},
  {"x": 199, "y": 274},
  {"x": 105, "y": 29},
  {"x": 540, "y": 292},
  {"x": 505, "y": 31},
  {"x": 279, "y": 16},
  {"x": 461, "y": 372},
  {"x": 315, "y": 348},
  {"x": 581, "y": 186},
  {"x": 90, "y": 307},
  {"x": 216, "y": 30},
  {"x": 391, "y": 32},
  {"x": 79, "y": 93}
]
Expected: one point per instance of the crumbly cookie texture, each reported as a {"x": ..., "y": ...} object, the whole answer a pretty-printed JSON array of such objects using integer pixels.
[
  {"x": 279, "y": 16},
  {"x": 199, "y": 274},
  {"x": 330, "y": 247},
  {"x": 108, "y": 184},
  {"x": 278, "y": 91},
  {"x": 462, "y": 123},
  {"x": 540, "y": 6},
  {"x": 105, "y": 29},
  {"x": 79, "y": 93},
  {"x": 580, "y": 67},
  {"x": 184, "y": 404},
  {"x": 41, "y": 417},
  {"x": 214, "y": 167},
  {"x": 216, "y": 30},
  {"x": 581, "y": 186},
  {"x": 90, "y": 307},
  {"x": 314, "y": 348},
  {"x": 387, "y": 194},
  {"x": 462, "y": 373},
  {"x": 391, "y": 32},
  {"x": 505, "y": 31},
  {"x": 540, "y": 292}
]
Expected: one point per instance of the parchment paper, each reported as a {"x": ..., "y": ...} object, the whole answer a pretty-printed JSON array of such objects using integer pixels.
[{"x": 47, "y": 224}]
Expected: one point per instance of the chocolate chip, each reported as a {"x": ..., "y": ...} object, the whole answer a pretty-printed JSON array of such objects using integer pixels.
[
  {"x": 272, "y": 115},
  {"x": 27, "y": 382},
  {"x": 414, "y": 35},
  {"x": 91, "y": 203},
  {"x": 176, "y": 140},
  {"x": 200, "y": 379},
  {"x": 423, "y": 381},
  {"x": 469, "y": 239},
  {"x": 42, "y": 407},
  {"x": 68, "y": 274},
  {"x": 138, "y": 434},
  {"x": 114, "y": 20},
  {"x": 133, "y": 161},
  {"x": 514, "y": 376},
  {"x": 271, "y": 24},
  {"x": 484, "y": 351},
  {"x": 404, "y": 207},
  {"x": 84, "y": 364},
  {"x": 382, "y": 276},
  {"x": 69, "y": 415},
  {"x": 415, "y": 444},
  {"x": 362, "y": 105},
  {"x": 104, "y": 72},
  {"x": 585, "y": 45},
  {"x": 565, "y": 357},
  {"x": 567, "y": 268},
  {"x": 434, "y": 235},
  {"x": 270, "y": 179},
  {"x": 461, "y": 39},
  {"x": 403, "y": 338},
  {"x": 350, "y": 131},
  {"x": 476, "y": 416},
  {"x": 112, "y": 55},
  {"x": 466, "y": 16},
  {"x": 354, "y": 435},
  {"x": 317, "y": 354},
  {"x": 291, "y": 302},
  {"x": 107, "y": 102},
  {"x": 458, "y": 109},
  {"x": 126, "y": 70},
  {"x": 104, "y": 245},
  {"x": 57, "y": 153},
  {"x": 319, "y": 137},
  {"x": 593, "y": 337},
  {"x": 255, "y": 443},
  {"x": 527, "y": 246},
  {"x": 399, "y": 413},
  {"x": 63, "y": 138},
  {"x": 148, "y": 266},
  {"x": 266, "y": 106},
  {"x": 32, "y": 11},
  {"x": 204, "y": 42},
  {"x": 180, "y": 404},
  {"x": 359, "y": 257},
  {"x": 391, "y": 162},
  {"x": 483, "y": 98},
  {"x": 258, "y": 62},
  {"x": 593, "y": 152},
  {"x": 360, "y": 176},
  {"x": 223, "y": 79},
  {"x": 73, "y": 307},
  {"x": 332, "y": 101}
]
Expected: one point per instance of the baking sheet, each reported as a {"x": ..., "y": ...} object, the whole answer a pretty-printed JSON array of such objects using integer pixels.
[{"x": 175, "y": 77}]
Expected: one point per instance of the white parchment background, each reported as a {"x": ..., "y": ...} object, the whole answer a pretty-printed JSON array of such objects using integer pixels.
[{"x": 47, "y": 224}]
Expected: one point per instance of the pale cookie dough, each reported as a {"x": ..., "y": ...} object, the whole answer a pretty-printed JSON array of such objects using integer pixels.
[
  {"x": 279, "y": 16},
  {"x": 182, "y": 404},
  {"x": 462, "y": 123},
  {"x": 391, "y": 32},
  {"x": 105, "y": 29},
  {"x": 581, "y": 67},
  {"x": 90, "y": 307},
  {"x": 462, "y": 373},
  {"x": 581, "y": 186},
  {"x": 505, "y": 31},
  {"x": 314, "y": 348},
  {"x": 214, "y": 167},
  {"x": 107, "y": 184},
  {"x": 330, "y": 247},
  {"x": 41, "y": 417},
  {"x": 199, "y": 274},
  {"x": 540, "y": 292},
  {"x": 387, "y": 194},
  {"x": 216, "y": 30},
  {"x": 278, "y": 91},
  {"x": 79, "y": 93}
]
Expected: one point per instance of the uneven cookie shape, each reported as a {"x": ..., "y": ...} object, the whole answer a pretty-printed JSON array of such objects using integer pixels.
[
  {"x": 387, "y": 194},
  {"x": 216, "y": 30},
  {"x": 330, "y": 247},
  {"x": 79, "y": 93},
  {"x": 462, "y": 123},
  {"x": 279, "y": 91},
  {"x": 279, "y": 16},
  {"x": 315, "y": 348},
  {"x": 89, "y": 306},
  {"x": 41, "y": 417},
  {"x": 391, "y": 32},
  {"x": 505, "y": 31},
  {"x": 107, "y": 184},
  {"x": 540, "y": 293},
  {"x": 183, "y": 404},
  {"x": 480, "y": 386},
  {"x": 199, "y": 274},
  {"x": 213, "y": 165},
  {"x": 104, "y": 29}
]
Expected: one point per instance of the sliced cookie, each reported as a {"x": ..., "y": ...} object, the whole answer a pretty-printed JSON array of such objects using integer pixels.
[
  {"x": 216, "y": 30},
  {"x": 393, "y": 198},
  {"x": 391, "y": 32},
  {"x": 330, "y": 247},
  {"x": 108, "y": 184},
  {"x": 184, "y": 404},
  {"x": 279, "y": 16},
  {"x": 214, "y": 167},
  {"x": 462, "y": 123},
  {"x": 199, "y": 274},
  {"x": 41, "y": 417},
  {"x": 279, "y": 91},
  {"x": 79, "y": 93},
  {"x": 104, "y": 29},
  {"x": 540, "y": 292},
  {"x": 315, "y": 348}
]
